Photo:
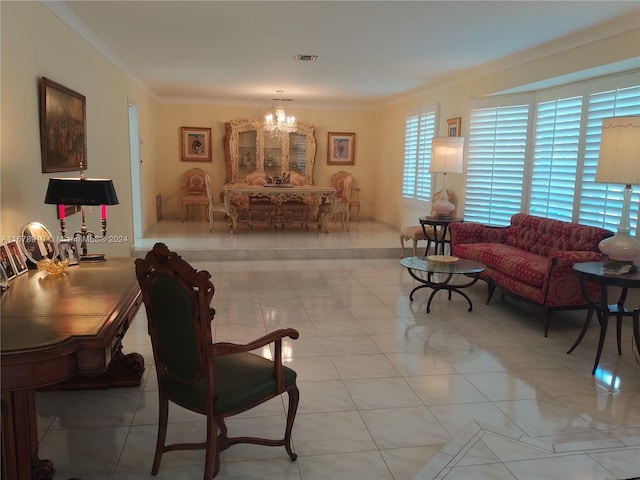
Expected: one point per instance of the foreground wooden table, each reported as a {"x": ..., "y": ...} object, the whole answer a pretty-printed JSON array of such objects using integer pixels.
[{"x": 65, "y": 328}]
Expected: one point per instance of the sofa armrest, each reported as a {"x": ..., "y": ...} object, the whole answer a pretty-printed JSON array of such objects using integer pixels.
[
  {"x": 569, "y": 257},
  {"x": 562, "y": 286},
  {"x": 473, "y": 232}
]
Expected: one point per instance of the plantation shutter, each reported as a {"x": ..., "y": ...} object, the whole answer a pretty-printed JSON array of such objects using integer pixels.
[
  {"x": 601, "y": 204},
  {"x": 416, "y": 179},
  {"x": 495, "y": 163},
  {"x": 410, "y": 156},
  {"x": 555, "y": 158}
]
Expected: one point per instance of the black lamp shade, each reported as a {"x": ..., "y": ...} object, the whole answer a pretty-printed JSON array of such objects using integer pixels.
[{"x": 81, "y": 191}]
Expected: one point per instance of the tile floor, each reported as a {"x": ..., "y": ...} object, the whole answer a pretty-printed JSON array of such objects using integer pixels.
[{"x": 387, "y": 391}]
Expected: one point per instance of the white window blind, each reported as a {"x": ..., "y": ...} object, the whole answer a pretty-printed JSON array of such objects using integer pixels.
[
  {"x": 555, "y": 158},
  {"x": 601, "y": 204},
  {"x": 497, "y": 143},
  {"x": 416, "y": 178}
]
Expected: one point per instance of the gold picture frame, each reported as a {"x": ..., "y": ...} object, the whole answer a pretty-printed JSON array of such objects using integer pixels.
[
  {"x": 63, "y": 115},
  {"x": 453, "y": 127},
  {"x": 195, "y": 144},
  {"x": 341, "y": 148}
]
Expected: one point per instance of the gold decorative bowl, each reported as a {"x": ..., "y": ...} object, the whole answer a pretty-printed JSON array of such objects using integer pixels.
[{"x": 53, "y": 267}]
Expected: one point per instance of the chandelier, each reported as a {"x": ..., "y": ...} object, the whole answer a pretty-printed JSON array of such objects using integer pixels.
[{"x": 279, "y": 123}]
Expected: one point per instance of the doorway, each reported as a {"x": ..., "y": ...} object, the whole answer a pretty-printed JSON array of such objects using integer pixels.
[{"x": 134, "y": 156}]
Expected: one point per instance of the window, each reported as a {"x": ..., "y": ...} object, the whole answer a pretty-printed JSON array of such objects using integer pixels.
[
  {"x": 555, "y": 158},
  {"x": 601, "y": 204},
  {"x": 416, "y": 178},
  {"x": 552, "y": 174},
  {"x": 495, "y": 170}
]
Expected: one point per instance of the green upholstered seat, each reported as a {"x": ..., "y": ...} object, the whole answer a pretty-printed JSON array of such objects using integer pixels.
[{"x": 242, "y": 380}]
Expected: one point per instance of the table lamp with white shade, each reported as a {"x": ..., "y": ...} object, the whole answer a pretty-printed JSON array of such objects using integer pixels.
[
  {"x": 446, "y": 157},
  {"x": 619, "y": 162}
]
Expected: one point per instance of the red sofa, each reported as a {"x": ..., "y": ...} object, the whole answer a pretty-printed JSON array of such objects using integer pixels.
[{"x": 532, "y": 258}]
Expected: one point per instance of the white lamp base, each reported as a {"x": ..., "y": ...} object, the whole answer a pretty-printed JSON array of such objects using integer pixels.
[
  {"x": 622, "y": 247},
  {"x": 442, "y": 208}
]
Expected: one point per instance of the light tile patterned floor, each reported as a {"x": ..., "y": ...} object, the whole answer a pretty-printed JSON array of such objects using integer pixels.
[{"x": 387, "y": 391}]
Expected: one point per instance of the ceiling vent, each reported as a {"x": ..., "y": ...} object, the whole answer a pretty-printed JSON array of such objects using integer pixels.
[{"x": 307, "y": 58}]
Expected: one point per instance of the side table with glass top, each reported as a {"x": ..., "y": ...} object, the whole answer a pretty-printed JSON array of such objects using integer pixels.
[
  {"x": 594, "y": 272},
  {"x": 448, "y": 267},
  {"x": 435, "y": 230}
]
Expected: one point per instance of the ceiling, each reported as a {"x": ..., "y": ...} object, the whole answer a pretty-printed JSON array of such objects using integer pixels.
[{"x": 369, "y": 52}]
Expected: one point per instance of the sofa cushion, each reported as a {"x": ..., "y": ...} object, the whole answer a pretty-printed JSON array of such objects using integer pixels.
[
  {"x": 527, "y": 267},
  {"x": 542, "y": 236}
]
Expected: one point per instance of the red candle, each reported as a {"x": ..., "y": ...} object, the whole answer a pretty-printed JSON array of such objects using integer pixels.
[
  {"x": 61, "y": 212},
  {"x": 103, "y": 212}
]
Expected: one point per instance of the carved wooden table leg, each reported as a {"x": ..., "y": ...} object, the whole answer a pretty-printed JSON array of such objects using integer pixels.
[
  {"x": 20, "y": 459},
  {"x": 324, "y": 212}
]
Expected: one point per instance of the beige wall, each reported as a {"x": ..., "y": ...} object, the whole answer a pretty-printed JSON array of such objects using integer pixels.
[{"x": 36, "y": 43}]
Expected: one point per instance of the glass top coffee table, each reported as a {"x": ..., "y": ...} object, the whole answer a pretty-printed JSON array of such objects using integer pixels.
[{"x": 446, "y": 267}]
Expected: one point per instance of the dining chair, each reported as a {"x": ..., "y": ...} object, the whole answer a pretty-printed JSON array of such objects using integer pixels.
[{"x": 217, "y": 380}]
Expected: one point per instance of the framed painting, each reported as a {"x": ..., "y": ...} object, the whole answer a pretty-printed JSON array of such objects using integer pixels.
[
  {"x": 341, "y": 148},
  {"x": 7, "y": 263},
  {"x": 17, "y": 257},
  {"x": 4, "y": 279},
  {"x": 196, "y": 144},
  {"x": 63, "y": 128},
  {"x": 453, "y": 127}
]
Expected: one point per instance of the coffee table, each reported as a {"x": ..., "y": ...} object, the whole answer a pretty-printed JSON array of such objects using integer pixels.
[{"x": 438, "y": 264}]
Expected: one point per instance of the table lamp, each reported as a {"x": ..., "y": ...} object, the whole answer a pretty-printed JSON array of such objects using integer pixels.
[
  {"x": 82, "y": 191},
  {"x": 619, "y": 162},
  {"x": 446, "y": 157}
]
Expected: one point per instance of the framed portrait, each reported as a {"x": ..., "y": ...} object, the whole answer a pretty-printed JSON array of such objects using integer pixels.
[
  {"x": 7, "y": 263},
  {"x": 4, "y": 280},
  {"x": 17, "y": 257},
  {"x": 196, "y": 144},
  {"x": 69, "y": 251},
  {"x": 37, "y": 243},
  {"x": 63, "y": 128},
  {"x": 341, "y": 148},
  {"x": 453, "y": 127}
]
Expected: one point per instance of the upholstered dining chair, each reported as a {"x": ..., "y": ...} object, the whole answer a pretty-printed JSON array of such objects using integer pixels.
[
  {"x": 194, "y": 192},
  {"x": 213, "y": 206},
  {"x": 217, "y": 380},
  {"x": 354, "y": 203},
  {"x": 343, "y": 183}
]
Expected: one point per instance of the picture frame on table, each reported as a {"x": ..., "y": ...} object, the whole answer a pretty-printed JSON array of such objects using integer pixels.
[
  {"x": 17, "y": 257},
  {"x": 63, "y": 114},
  {"x": 453, "y": 126},
  {"x": 341, "y": 148},
  {"x": 68, "y": 249},
  {"x": 4, "y": 280},
  {"x": 7, "y": 263},
  {"x": 195, "y": 144},
  {"x": 37, "y": 243}
]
